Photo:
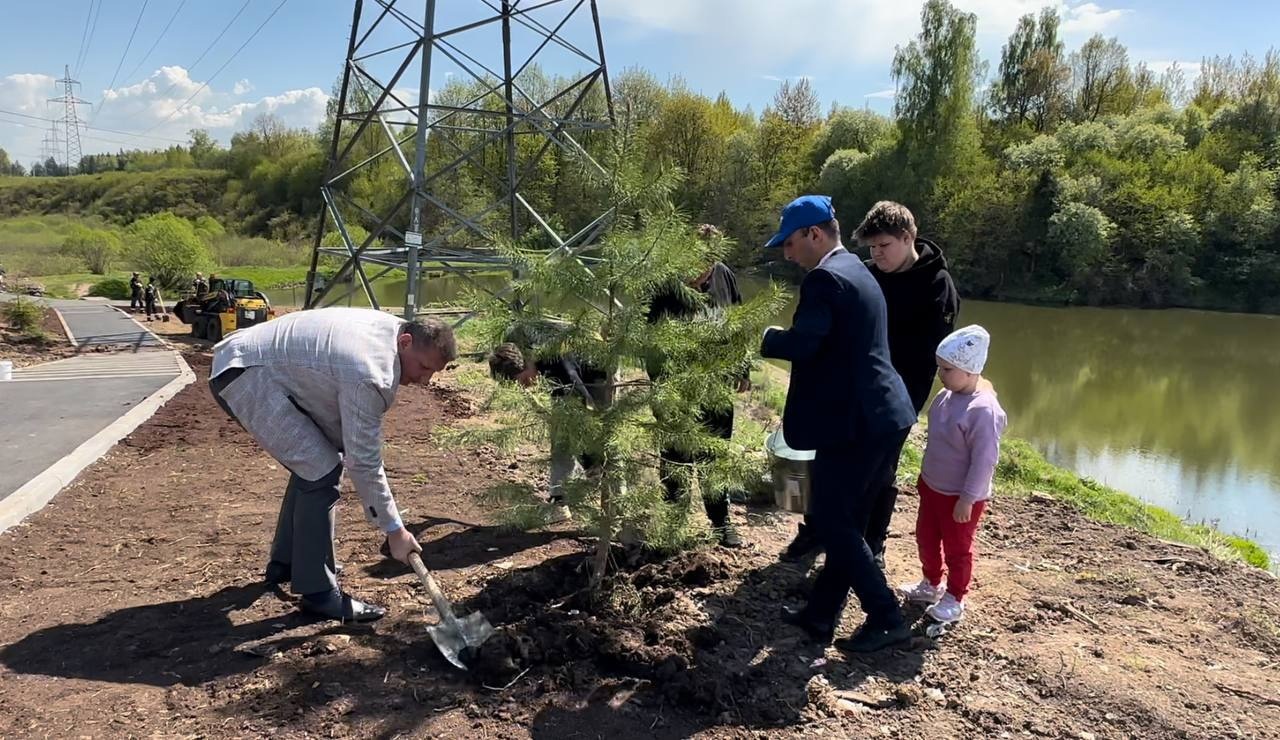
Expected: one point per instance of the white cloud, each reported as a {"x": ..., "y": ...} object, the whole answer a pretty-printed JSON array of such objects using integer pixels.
[
  {"x": 782, "y": 78},
  {"x": 156, "y": 102},
  {"x": 889, "y": 94},
  {"x": 862, "y": 31},
  {"x": 27, "y": 94},
  {"x": 1089, "y": 18}
]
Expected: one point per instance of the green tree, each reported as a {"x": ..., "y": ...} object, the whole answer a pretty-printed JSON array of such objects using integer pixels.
[
  {"x": 602, "y": 314},
  {"x": 167, "y": 248},
  {"x": 99, "y": 248},
  {"x": 1083, "y": 236},
  {"x": 1030, "y": 87},
  {"x": 1099, "y": 74},
  {"x": 848, "y": 128},
  {"x": 936, "y": 77}
]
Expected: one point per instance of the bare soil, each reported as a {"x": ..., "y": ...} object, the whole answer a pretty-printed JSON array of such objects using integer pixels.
[
  {"x": 24, "y": 350},
  {"x": 130, "y": 606}
]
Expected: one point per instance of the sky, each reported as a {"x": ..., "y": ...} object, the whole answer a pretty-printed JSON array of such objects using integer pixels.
[{"x": 152, "y": 70}]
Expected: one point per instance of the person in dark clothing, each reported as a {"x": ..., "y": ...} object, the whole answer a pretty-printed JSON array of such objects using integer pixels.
[
  {"x": 846, "y": 403},
  {"x": 719, "y": 289},
  {"x": 135, "y": 293},
  {"x": 517, "y": 360},
  {"x": 923, "y": 305},
  {"x": 200, "y": 286},
  {"x": 149, "y": 297}
]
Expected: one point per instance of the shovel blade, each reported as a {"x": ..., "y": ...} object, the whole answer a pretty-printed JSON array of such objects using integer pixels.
[{"x": 461, "y": 636}]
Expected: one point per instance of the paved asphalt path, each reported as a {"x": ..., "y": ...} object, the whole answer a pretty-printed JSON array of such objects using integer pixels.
[{"x": 48, "y": 410}]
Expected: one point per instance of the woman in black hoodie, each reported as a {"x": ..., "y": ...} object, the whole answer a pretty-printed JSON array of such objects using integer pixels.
[{"x": 923, "y": 303}]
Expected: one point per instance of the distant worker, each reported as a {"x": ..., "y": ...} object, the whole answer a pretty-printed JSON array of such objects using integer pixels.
[
  {"x": 135, "y": 293},
  {"x": 199, "y": 285},
  {"x": 149, "y": 297}
]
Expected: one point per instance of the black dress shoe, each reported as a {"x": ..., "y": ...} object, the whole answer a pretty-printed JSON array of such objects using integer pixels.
[
  {"x": 870, "y": 638},
  {"x": 342, "y": 607},
  {"x": 805, "y": 546},
  {"x": 819, "y": 631},
  {"x": 278, "y": 573}
]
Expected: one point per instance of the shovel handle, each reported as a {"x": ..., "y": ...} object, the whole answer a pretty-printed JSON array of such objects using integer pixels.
[{"x": 443, "y": 607}]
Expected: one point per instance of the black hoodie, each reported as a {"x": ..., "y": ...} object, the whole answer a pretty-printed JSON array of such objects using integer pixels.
[{"x": 923, "y": 305}]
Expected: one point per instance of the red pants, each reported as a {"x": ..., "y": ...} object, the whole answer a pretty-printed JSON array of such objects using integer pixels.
[{"x": 938, "y": 533}]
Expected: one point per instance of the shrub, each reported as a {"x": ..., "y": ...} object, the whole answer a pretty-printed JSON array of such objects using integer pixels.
[
  {"x": 168, "y": 249},
  {"x": 24, "y": 316},
  {"x": 98, "y": 248},
  {"x": 117, "y": 289}
]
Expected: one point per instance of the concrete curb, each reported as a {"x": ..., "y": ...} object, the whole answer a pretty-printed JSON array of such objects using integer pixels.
[
  {"x": 41, "y": 489},
  {"x": 66, "y": 329}
]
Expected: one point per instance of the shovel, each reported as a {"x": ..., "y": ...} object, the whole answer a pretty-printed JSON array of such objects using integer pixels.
[{"x": 457, "y": 639}]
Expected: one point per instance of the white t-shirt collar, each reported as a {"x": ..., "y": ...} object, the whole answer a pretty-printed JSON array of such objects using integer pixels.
[{"x": 837, "y": 248}]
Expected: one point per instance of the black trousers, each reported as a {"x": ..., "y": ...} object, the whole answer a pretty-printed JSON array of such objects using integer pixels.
[
  {"x": 844, "y": 493},
  {"x": 718, "y": 424},
  {"x": 882, "y": 508}
]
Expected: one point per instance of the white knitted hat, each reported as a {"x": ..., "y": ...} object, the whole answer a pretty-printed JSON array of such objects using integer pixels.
[{"x": 966, "y": 348}]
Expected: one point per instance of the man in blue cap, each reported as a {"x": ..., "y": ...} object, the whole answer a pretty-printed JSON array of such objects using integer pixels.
[{"x": 848, "y": 404}]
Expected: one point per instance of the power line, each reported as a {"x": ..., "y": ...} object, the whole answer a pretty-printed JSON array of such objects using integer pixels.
[
  {"x": 165, "y": 30},
  {"x": 205, "y": 84},
  {"x": 85, "y": 33},
  {"x": 83, "y": 136},
  {"x": 92, "y": 29},
  {"x": 207, "y": 49},
  {"x": 94, "y": 128},
  {"x": 111, "y": 85}
]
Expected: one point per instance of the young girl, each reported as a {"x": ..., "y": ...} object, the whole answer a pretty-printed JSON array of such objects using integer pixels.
[{"x": 965, "y": 424}]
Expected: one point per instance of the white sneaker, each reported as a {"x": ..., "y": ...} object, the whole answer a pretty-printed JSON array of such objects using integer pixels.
[
  {"x": 948, "y": 610},
  {"x": 922, "y": 592}
]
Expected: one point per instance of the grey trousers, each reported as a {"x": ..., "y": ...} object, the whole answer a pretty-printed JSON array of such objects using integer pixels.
[
  {"x": 304, "y": 533},
  {"x": 304, "y": 527}
]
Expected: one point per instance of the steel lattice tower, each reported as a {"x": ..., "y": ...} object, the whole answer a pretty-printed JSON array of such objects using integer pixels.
[
  {"x": 70, "y": 120},
  {"x": 487, "y": 43}
]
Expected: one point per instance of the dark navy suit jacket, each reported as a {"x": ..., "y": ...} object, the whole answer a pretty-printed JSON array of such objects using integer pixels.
[{"x": 843, "y": 386}]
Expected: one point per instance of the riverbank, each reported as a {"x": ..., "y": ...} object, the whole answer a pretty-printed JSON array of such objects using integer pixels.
[
  {"x": 152, "y": 623},
  {"x": 1024, "y": 472}
]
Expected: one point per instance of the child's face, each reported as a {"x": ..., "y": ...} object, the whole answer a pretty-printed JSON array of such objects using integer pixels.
[
  {"x": 954, "y": 379},
  {"x": 890, "y": 252}
]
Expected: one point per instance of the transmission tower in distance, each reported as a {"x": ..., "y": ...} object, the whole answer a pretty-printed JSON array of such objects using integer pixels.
[
  {"x": 70, "y": 120},
  {"x": 50, "y": 146},
  {"x": 399, "y": 57}
]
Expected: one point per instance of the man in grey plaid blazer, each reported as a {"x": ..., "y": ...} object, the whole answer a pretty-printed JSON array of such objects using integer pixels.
[{"x": 311, "y": 387}]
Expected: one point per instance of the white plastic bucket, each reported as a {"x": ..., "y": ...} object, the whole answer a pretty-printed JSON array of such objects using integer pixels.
[{"x": 6, "y": 370}]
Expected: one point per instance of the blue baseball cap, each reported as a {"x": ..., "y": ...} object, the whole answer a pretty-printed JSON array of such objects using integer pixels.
[{"x": 801, "y": 213}]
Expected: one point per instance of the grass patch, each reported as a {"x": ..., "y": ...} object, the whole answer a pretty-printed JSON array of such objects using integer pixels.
[{"x": 1023, "y": 470}]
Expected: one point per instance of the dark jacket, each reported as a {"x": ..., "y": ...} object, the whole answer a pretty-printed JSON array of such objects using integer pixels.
[
  {"x": 721, "y": 291},
  {"x": 565, "y": 372},
  {"x": 923, "y": 305},
  {"x": 843, "y": 387}
]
